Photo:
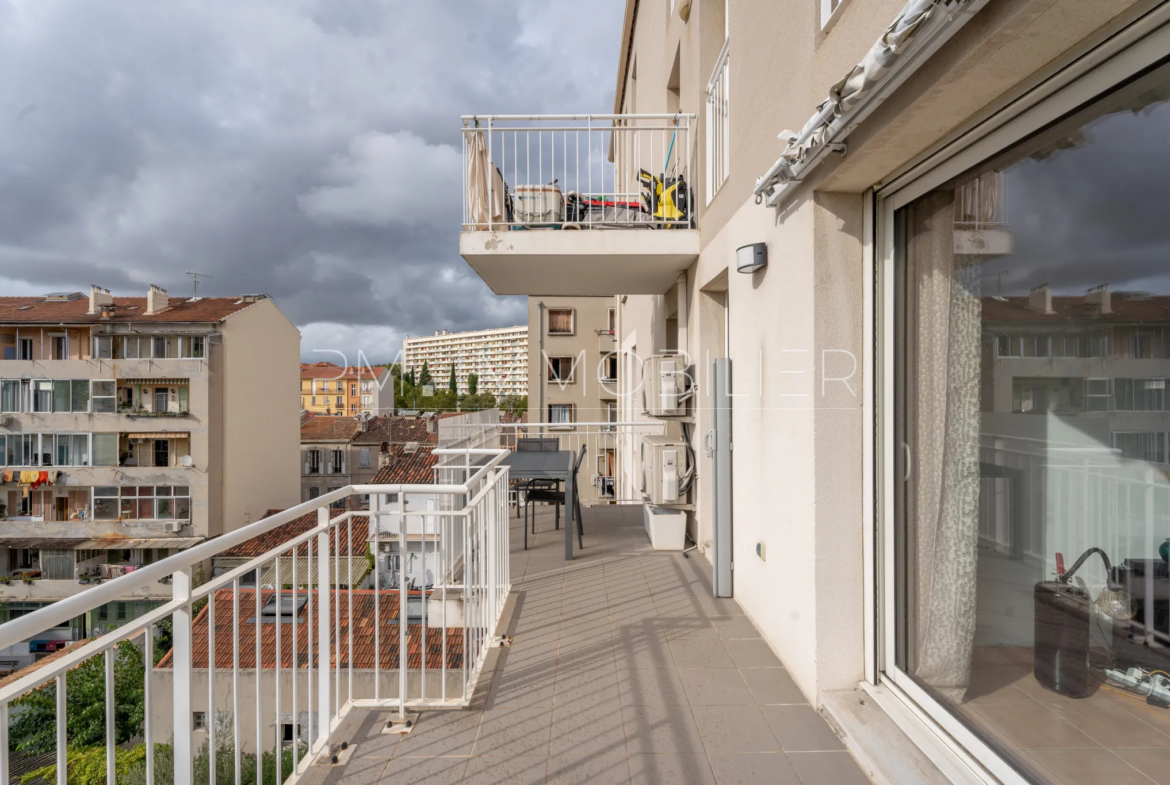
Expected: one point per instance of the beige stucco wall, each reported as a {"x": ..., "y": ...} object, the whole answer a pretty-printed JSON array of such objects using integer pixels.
[
  {"x": 586, "y": 392},
  {"x": 796, "y": 328},
  {"x": 261, "y": 416}
]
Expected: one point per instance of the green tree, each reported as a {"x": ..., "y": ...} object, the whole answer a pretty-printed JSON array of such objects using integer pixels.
[
  {"x": 87, "y": 766},
  {"x": 33, "y": 727},
  {"x": 164, "y": 763},
  {"x": 424, "y": 376},
  {"x": 451, "y": 385},
  {"x": 472, "y": 383}
]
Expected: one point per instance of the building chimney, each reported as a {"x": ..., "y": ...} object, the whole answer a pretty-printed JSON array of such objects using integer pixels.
[
  {"x": 97, "y": 298},
  {"x": 1040, "y": 299},
  {"x": 1099, "y": 296},
  {"x": 156, "y": 300}
]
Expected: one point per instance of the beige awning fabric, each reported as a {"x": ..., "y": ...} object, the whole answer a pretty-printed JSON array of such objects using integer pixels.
[
  {"x": 479, "y": 169},
  {"x": 160, "y": 435},
  {"x": 174, "y": 543},
  {"x": 832, "y": 121},
  {"x": 104, "y": 544},
  {"x": 155, "y": 382}
]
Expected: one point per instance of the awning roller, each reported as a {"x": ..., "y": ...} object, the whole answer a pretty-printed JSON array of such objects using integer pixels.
[
  {"x": 156, "y": 382},
  {"x": 104, "y": 544}
]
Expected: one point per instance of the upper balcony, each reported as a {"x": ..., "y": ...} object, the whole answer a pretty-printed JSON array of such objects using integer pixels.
[{"x": 579, "y": 204}]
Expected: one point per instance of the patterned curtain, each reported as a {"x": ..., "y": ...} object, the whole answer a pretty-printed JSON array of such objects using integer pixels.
[{"x": 943, "y": 408}]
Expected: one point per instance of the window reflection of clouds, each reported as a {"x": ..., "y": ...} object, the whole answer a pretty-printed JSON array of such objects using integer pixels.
[{"x": 1096, "y": 208}]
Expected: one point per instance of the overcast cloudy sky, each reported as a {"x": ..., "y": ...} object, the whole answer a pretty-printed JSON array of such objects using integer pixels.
[{"x": 309, "y": 150}]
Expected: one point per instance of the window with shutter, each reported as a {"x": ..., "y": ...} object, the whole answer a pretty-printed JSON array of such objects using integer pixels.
[{"x": 560, "y": 321}]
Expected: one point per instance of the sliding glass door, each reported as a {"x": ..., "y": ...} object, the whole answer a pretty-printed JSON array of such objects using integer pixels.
[{"x": 1027, "y": 577}]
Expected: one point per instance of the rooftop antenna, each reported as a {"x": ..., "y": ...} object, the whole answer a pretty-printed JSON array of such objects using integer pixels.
[
  {"x": 195, "y": 280},
  {"x": 998, "y": 283}
]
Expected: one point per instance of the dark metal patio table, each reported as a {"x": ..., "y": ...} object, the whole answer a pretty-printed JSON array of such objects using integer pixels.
[{"x": 532, "y": 465}]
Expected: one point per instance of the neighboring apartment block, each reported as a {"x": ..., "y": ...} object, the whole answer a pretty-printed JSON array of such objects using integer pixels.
[
  {"x": 132, "y": 427},
  {"x": 573, "y": 376},
  {"x": 351, "y": 390},
  {"x": 933, "y": 445},
  {"x": 341, "y": 451},
  {"x": 497, "y": 357}
]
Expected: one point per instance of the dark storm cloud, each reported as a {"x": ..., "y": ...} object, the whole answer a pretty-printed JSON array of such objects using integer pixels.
[
  {"x": 309, "y": 150},
  {"x": 1095, "y": 213}
]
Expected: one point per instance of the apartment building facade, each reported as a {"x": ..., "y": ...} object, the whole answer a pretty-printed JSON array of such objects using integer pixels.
[
  {"x": 132, "y": 427},
  {"x": 928, "y": 466},
  {"x": 573, "y": 378},
  {"x": 340, "y": 451},
  {"x": 352, "y": 390},
  {"x": 498, "y": 358}
]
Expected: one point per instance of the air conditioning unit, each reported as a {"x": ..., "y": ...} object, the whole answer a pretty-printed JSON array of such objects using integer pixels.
[
  {"x": 664, "y": 469},
  {"x": 172, "y": 526},
  {"x": 665, "y": 385}
]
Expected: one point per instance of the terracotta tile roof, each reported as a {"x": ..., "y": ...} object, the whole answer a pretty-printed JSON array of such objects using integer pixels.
[
  {"x": 262, "y": 544},
  {"x": 378, "y": 431},
  {"x": 1126, "y": 309},
  {"x": 405, "y": 468},
  {"x": 396, "y": 430},
  {"x": 328, "y": 428},
  {"x": 362, "y": 655},
  {"x": 36, "y": 310}
]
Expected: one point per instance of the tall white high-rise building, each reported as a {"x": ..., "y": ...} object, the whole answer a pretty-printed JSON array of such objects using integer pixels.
[{"x": 499, "y": 357}]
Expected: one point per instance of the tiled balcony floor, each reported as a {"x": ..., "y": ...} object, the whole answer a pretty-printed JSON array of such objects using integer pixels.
[{"x": 623, "y": 669}]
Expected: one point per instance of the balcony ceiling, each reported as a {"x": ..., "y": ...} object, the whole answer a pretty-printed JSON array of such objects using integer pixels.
[{"x": 597, "y": 262}]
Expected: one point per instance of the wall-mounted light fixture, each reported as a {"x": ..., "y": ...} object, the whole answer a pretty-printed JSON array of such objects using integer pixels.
[{"x": 750, "y": 258}]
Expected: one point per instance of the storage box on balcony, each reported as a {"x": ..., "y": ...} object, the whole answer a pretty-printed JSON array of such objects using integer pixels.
[
  {"x": 666, "y": 528},
  {"x": 539, "y": 205}
]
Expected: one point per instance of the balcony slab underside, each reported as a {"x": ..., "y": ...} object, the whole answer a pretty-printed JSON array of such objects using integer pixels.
[
  {"x": 580, "y": 262},
  {"x": 623, "y": 669}
]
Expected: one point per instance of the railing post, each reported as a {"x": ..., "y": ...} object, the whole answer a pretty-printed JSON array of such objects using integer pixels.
[
  {"x": 491, "y": 521},
  {"x": 181, "y": 674},
  {"x": 324, "y": 646},
  {"x": 403, "y": 603},
  {"x": 62, "y": 735},
  {"x": 490, "y": 179}
]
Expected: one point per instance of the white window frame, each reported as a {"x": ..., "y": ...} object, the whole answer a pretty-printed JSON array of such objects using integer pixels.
[
  {"x": 53, "y": 345},
  {"x": 718, "y": 123},
  {"x": 93, "y": 398},
  {"x": 830, "y": 11},
  {"x": 560, "y": 423},
  {"x": 103, "y": 340},
  {"x": 944, "y": 738},
  {"x": 186, "y": 347}
]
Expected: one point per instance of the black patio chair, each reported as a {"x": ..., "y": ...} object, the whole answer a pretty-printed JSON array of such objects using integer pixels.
[
  {"x": 534, "y": 444},
  {"x": 556, "y": 497}
]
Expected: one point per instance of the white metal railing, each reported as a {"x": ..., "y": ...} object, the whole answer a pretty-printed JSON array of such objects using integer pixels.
[
  {"x": 982, "y": 203},
  {"x": 577, "y": 171},
  {"x": 719, "y": 123},
  {"x": 609, "y": 474},
  {"x": 417, "y": 647}
]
